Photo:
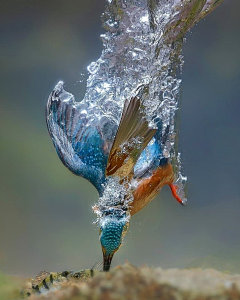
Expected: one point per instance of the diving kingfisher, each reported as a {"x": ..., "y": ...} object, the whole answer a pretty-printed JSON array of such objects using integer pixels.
[{"x": 125, "y": 163}]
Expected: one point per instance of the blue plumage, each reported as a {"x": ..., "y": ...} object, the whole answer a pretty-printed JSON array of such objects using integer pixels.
[
  {"x": 124, "y": 163},
  {"x": 78, "y": 141},
  {"x": 111, "y": 229}
]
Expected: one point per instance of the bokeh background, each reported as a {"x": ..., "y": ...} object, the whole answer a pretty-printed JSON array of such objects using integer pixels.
[{"x": 45, "y": 211}]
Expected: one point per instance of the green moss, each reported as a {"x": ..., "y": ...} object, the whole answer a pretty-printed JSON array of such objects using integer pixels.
[{"x": 9, "y": 288}]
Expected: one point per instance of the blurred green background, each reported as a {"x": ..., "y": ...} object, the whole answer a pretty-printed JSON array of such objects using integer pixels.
[{"x": 45, "y": 211}]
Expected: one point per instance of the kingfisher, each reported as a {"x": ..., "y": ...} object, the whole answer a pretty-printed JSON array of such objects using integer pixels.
[{"x": 124, "y": 162}]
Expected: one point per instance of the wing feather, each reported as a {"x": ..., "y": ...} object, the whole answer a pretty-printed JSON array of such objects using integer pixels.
[
  {"x": 132, "y": 137},
  {"x": 78, "y": 143}
]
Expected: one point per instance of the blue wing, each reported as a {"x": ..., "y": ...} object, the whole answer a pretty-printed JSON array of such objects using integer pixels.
[{"x": 77, "y": 139}]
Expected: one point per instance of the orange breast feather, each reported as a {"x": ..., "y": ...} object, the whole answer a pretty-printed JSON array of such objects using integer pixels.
[{"x": 149, "y": 187}]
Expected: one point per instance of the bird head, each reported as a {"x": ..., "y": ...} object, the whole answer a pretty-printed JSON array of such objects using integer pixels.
[{"x": 113, "y": 226}]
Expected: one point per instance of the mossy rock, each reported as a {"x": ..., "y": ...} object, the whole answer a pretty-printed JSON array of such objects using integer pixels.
[{"x": 130, "y": 283}]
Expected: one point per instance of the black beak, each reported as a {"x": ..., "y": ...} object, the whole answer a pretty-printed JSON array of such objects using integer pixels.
[{"x": 107, "y": 259}]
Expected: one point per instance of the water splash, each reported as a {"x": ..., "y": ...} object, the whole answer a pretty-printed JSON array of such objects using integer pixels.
[
  {"x": 142, "y": 45},
  {"x": 142, "y": 51}
]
